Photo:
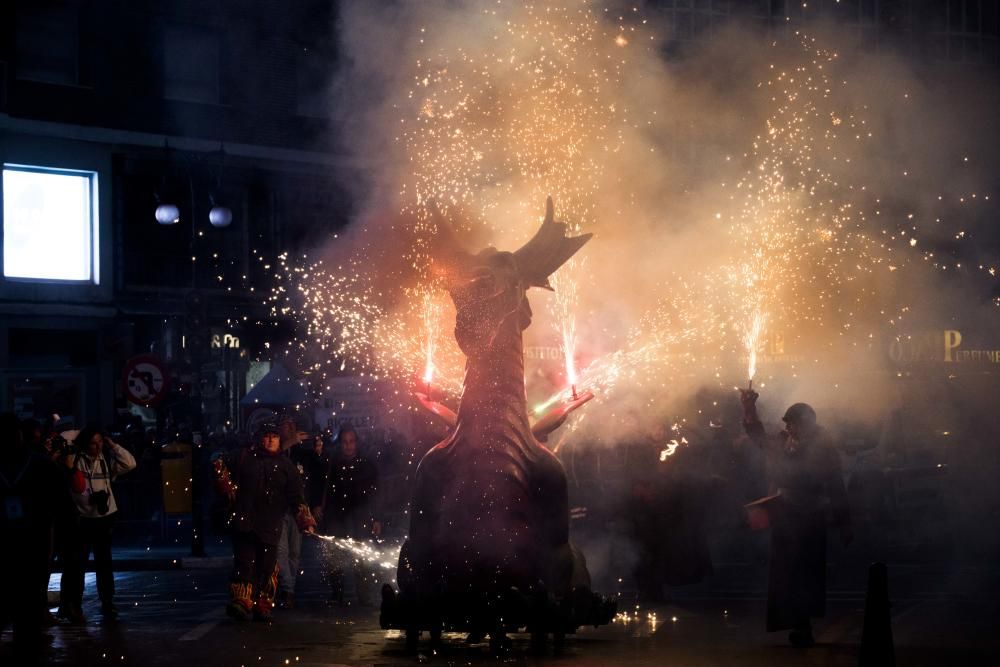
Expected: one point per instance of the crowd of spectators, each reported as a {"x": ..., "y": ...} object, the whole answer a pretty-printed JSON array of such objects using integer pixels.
[
  {"x": 59, "y": 505},
  {"x": 662, "y": 489}
]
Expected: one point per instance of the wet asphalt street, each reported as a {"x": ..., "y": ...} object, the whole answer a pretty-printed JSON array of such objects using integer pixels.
[{"x": 175, "y": 617}]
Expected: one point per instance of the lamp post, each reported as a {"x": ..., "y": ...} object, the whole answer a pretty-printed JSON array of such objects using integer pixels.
[{"x": 195, "y": 325}]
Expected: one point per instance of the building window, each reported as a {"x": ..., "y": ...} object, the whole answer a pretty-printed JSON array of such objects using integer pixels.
[
  {"x": 49, "y": 224},
  {"x": 47, "y": 43},
  {"x": 190, "y": 64},
  {"x": 967, "y": 31}
]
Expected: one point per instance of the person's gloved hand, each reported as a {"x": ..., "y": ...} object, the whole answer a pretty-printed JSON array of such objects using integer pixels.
[{"x": 748, "y": 401}]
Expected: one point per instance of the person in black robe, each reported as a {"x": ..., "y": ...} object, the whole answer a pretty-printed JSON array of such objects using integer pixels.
[{"x": 804, "y": 473}]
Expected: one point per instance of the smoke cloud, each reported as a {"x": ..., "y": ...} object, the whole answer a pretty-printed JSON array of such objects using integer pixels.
[{"x": 659, "y": 154}]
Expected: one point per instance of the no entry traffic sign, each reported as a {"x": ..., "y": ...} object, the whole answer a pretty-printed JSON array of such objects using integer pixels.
[{"x": 146, "y": 380}]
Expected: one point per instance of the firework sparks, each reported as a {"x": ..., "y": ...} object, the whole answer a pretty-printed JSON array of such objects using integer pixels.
[
  {"x": 670, "y": 449},
  {"x": 528, "y": 116},
  {"x": 364, "y": 552},
  {"x": 752, "y": 340},
  {"x": 432, "y": 323},
  {"x": 487, "y": 131}
]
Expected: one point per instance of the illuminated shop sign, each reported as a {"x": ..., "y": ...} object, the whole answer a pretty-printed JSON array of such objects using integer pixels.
[{"x": 945, "y": 346}]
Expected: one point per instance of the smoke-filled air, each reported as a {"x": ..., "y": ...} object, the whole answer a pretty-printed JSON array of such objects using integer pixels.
[{"x": 764, "y": 210}]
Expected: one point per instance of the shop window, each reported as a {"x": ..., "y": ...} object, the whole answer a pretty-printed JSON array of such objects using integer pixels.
[{"x": 49, "y": 224}]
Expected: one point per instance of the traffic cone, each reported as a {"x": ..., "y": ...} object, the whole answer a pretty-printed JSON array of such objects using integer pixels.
[{"x": 876, "y": 635}]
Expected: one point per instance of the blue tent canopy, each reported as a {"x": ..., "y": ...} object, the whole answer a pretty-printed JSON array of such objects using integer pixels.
[{"x": 278, "y": 387}]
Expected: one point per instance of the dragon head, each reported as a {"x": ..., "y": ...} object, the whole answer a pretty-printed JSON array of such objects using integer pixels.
[{"x": 489, "y": 288}]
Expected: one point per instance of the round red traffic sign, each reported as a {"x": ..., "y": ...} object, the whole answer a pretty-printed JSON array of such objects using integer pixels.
[{"x": 146, "y": 380}]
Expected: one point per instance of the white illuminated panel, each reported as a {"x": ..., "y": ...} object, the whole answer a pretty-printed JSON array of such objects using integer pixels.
[{"x": 48, "y": 223}]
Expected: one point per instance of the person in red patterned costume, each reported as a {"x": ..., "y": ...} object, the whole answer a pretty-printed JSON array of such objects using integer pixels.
[{"x": 262, "y": 486}]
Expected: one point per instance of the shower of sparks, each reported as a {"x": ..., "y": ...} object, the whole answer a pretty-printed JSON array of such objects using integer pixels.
[
  {"x": 488, "y": 130},
  {"x": 522, "y": 116},
  {"x": 364, "y": 552},
  {"x": 807, "y": 260},
  {"x": 409, "y": 345},
  {"x": 752, "y": 341},
  {"x": 336, "y": 311},
  {"x": 804, "y": 257},
  {"x": 566, "y": 299},
  {"x": 432, "y": 326},
  {"x": 663, "y": 347}
]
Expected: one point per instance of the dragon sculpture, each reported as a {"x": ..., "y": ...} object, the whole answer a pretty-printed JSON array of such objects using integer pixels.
[{"x": 489, "y": 517}]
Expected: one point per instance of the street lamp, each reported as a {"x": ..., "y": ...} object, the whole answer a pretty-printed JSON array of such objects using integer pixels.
[
  {"x": 167, "y": 214},
  {"x": 219, "y": 216}
]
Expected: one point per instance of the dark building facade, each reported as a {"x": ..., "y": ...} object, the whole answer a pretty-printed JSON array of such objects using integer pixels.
[
  {"x": 123, "y": 107},
  {"x": 109, "y": 110}
]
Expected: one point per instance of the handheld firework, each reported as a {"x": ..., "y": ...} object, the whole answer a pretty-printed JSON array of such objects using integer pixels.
[{"x": 752, "y": 341}]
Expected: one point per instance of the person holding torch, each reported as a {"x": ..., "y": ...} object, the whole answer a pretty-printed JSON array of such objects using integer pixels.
[
  {"x": 806, "y": 494},
  {"x": 262, "y": 486}
]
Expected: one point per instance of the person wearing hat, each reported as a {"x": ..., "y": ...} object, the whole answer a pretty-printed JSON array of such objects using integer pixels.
[
  {"x": 262, "y": 485},
  {"x": 804, "y": 473}
]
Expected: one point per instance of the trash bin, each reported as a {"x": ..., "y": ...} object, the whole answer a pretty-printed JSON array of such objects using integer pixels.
[{"x": 176, "y": 471}]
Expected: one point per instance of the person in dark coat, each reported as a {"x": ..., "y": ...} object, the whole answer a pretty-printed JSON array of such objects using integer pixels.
[
  {"x": 262, "y": 485},
  {"x": 348, "y": 507},
  {"x": 804, "y": 471},
  {"x": 290, "y": 539},
  {"x": 314, "y": 463},
  {"x": 32, "y": 494}
]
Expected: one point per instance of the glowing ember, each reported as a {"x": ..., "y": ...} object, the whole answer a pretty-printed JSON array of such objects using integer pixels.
[{"x": 670, "y": 449}]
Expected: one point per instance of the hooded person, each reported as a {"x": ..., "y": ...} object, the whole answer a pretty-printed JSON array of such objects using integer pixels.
[
  {"x": 804, "y": 474},
  {"x": 262, "y": 486}
]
